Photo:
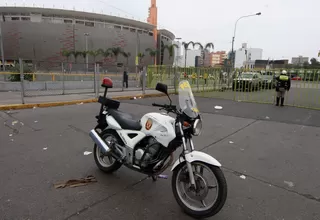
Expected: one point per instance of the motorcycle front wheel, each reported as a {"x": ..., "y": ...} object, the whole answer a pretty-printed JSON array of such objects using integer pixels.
[{"x": 210, "y": 194}]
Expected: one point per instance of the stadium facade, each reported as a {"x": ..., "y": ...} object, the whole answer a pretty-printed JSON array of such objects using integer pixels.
[{"x": 41, "y": 34}]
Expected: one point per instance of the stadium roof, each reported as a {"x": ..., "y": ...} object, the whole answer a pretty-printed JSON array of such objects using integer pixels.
[{"x": 77, "y": 14}]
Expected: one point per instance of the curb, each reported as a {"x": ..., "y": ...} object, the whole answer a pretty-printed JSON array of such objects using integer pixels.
[{"x": 74, "y": 102}]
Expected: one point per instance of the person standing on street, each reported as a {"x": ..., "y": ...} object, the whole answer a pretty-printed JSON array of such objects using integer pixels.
[
  {"x": 125, "y": 77},
  {"x": 283, "y": 84}
]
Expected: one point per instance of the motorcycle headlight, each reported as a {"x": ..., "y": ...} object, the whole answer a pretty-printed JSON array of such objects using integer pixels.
[{"x": 197, "y": 127}]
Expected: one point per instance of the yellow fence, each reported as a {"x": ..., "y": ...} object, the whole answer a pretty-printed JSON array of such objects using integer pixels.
[{"x": 215, "y": 83}]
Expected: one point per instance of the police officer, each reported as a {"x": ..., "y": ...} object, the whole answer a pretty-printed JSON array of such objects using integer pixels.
[{"x": 283, "y": 84}]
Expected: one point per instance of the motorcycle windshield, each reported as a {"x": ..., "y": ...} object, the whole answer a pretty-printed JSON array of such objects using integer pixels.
[{"x": 187, "y": 102}]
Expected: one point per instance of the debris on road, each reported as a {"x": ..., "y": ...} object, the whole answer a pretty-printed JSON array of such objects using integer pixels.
[
  {"x": 81, "y": 103},
  {"x": 218, "y": 107},
  {"x": 35, "y": 121},
  {"x": 267, "y": 117},
  {"x": 231, "y": 142},
  {"x": 243, "y": 177},
  {"x": 45, "y": 148},
  {"x": 76, "y": 182},
  {"x": 290, "y": 184},
  {"x": 14, "y": 122},
  {"x": 10, "y": 135},
  {"x": 34, "y": 107},
  {"x": 134, "y": 98},
  {"x": 86, "y": 153},
  {"x": 21, "y": 123},
  {"x": 161, "y": 176}
]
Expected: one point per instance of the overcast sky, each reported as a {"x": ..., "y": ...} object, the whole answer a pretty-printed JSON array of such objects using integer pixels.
[{"x": 286, "y": 28}]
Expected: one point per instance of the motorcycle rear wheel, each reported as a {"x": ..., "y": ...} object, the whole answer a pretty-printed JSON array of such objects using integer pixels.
[
  {"x": 181, "y": 175},
  {"x": 107, "y": 163}
]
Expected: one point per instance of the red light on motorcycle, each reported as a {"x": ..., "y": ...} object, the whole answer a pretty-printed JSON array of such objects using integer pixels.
[
  {"x": 107, "y": 83},
  {"x": 186, "y": 124}
]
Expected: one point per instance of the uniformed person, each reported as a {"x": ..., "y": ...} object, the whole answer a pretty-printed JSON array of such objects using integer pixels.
[{"x": 283, "y": 83}]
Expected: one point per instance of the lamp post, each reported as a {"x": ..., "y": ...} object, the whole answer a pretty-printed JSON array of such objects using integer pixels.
[
  {"x": 234, "y": 34},
  {"x": 87, "y": 58}
]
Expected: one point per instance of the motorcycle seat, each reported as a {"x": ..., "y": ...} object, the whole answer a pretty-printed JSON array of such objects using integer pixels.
[{"x": 125, "y": 120}]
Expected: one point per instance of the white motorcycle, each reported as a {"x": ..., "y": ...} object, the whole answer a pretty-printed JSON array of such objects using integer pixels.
[{"x": 147, "y": 146}]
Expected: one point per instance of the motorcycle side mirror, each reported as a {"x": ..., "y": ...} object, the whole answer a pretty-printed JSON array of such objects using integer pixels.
[{"x": 162, "y": 88}]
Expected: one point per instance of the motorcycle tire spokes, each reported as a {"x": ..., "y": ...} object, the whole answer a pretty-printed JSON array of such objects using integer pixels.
[{"x": 198, "y": 198}]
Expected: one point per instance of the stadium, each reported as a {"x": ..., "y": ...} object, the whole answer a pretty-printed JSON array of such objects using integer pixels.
[{"x": 40, "y": 35}]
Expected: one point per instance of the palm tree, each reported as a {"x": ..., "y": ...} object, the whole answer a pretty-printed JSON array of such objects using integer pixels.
[
  {"x": 115, "y": 52},
  {"x": 76, "y": 54},
  {"x": 67, "y": 54},
  {"x": 170, "y": 49},
  {"x": 186, "y": 47},
  {"x": 152, "y": 53},
  {"x": 140, "y": 56},
  {"x": 104, "y": 53},
  {"x": 204, "y": 49},
  {"x": 94, "y": 54},
  {"x": 126, "y": 55}
]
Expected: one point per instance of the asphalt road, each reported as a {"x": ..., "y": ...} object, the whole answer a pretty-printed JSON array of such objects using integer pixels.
[{"x": 275, "y": 148}]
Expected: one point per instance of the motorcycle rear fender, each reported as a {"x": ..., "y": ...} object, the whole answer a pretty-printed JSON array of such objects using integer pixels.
[{"x": 196, "y": 156}]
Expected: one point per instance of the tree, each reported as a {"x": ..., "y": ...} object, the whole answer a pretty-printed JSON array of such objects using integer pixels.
[
  {"x": 94, "y": 54},
  {"x": 152, "y": 53},
  {"x": 105, "y": 53},
  {"x": 170, "y": 49},
  {"x": 115, "y": 52},
  {"x": 204, "y": 49},
  {"x": 84, "y": 55},
  {"x": 126, "y": 55},
  {"x": 314, "y": 62},
  {"x": 67, "y": 54},
  {"x": 186, "y": 47},
  {"x": 76, "y": 54},
  {"x": 140, "y": 56}
]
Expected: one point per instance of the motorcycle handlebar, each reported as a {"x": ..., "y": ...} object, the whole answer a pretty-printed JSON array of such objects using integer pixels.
[
  {"x": 166, "y": 107},
  {"x": 157, "y": 105}
]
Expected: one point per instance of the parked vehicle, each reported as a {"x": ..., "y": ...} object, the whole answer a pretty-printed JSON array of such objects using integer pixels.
[
  {"x": 247, "y": 81},
  {"x": 147, "y": 146},
  {"x": 268, "y": 82}
]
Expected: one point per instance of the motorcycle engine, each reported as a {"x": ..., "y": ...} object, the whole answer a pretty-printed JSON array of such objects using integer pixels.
[{"x": 148, "y": 153}]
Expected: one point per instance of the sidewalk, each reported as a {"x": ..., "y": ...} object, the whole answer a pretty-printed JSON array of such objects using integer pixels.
[{"x": 9, "y": 98}]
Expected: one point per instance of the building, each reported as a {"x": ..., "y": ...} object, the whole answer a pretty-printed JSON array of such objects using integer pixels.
[
  {"x": 300, "y": 60},
  {"x": 191, "y": 57},
  {"x": 272, "y": 64},
  {"x": 245, "y": 54},
  {"x": 178, "y": 54},
  {"x": 218, "y": 57},
  {"x": 42, "y": 34}
]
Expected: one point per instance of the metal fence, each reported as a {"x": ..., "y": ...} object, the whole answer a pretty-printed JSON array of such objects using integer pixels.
[
  {"x": 64, "y": 78},
  {"x": 215, "y": 83}
]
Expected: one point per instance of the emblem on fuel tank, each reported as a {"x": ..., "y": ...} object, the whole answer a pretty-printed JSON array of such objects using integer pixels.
[{"x": 148, "y": 124}]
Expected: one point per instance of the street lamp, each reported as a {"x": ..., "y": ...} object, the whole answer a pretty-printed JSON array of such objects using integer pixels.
[
  {"x": 234, "y": 34},
  {"x": 87, "y": 58}
]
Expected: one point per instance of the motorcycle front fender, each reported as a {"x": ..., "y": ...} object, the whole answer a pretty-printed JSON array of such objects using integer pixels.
[{"x": 196, "y": 156}]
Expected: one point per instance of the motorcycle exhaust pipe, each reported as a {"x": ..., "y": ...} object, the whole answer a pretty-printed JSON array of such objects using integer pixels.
[{"x": 97, "y": 139}]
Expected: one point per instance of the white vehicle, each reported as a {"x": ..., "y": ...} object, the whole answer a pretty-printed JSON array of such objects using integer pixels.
[{"x": 147, "y": 146}]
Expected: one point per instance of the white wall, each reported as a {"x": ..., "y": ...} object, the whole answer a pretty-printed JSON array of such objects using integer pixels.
[
  {"x": 191, "y": 56},
  {"x": 252, "y": 54}
]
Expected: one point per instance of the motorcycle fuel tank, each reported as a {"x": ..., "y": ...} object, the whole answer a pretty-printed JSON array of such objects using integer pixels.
[{"x": 160, "y": 126}]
